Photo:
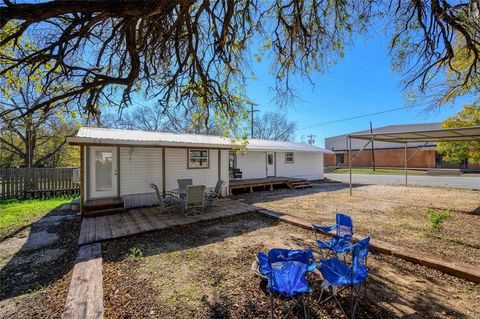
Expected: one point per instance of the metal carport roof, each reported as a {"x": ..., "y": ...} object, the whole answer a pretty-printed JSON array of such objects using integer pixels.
[
  {"x": 459, "y": 134},
  {"x": 470, "y": 133}
]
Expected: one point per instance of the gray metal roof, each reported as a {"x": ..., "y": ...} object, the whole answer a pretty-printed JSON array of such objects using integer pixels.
[
  {"x": 471, "y": 133},
  {"x": 107, "y": 136}
]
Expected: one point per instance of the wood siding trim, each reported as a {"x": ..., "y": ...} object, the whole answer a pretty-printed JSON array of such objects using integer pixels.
[
  {"x": 163, "y": 172},
  {"x": 219, "y": 151},
  {"x": 82, "y": 176},
  {"x": 118, "y": 171},
  {"x": 275, "y": 162},
  {"x": 87, "y": 173}
]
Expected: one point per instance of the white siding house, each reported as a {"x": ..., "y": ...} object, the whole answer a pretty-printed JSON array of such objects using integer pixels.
[{"x": 123, "y": 163}]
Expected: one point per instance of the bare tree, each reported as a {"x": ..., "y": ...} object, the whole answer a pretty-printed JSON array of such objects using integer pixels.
[
  {"x": 155, "y": 118},
  {"x": 274, "y": 126},
  {"x": 187, "y": 52}
]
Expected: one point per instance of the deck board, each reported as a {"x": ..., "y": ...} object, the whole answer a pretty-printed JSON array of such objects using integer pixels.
[
  {"x": 141, "y": 220},
  {"x": 259, "y": 182}
]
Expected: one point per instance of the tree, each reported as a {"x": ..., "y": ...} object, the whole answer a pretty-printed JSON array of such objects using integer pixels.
[
  {"x": 31, "y": 139},
  {"x": 457, "y": 152},
  {"x": 274, "y": 126},
  {"x": 154, "y": 118},
  {"x": 186, "y": 52}
]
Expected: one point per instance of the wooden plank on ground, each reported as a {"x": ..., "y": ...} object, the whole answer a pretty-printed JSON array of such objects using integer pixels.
[{"x": 85, "y": 296}]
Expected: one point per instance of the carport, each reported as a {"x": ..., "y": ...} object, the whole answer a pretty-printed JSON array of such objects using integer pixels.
[{"x": 460, "y": 134}]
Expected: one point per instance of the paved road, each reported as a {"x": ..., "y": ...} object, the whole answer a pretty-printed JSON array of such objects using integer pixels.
[{"x": 470, "y": 182}]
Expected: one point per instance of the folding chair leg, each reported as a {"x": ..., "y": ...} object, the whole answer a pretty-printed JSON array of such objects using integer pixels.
[
  {"x": 321, "y": 294},
  {"x": 354, "y": 308},
  {"x": 271, "y": 305},
  {"x": 339, "y": 305},
  {"x": 305, "y": 310},
  {"x": 352, "y": 299}
]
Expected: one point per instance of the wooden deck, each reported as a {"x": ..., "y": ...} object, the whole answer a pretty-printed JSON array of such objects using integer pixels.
[
  {"x": 268, "y": 182},
  {"x": 141, "y": 220}
]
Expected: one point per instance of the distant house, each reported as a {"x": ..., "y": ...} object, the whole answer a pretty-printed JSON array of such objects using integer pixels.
[
  {"x": 122, "y": 163},
  {"x": 387, "y": 154}
]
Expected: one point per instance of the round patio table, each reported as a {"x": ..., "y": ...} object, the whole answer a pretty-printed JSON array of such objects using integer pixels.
[{"x": 183, "y": 192}]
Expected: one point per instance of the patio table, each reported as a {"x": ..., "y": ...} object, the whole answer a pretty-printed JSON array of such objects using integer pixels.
[{"x": 183, "y": 193}]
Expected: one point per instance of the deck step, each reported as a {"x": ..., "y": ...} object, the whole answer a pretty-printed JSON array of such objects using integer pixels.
[
  {"x": 102, "y": 204},
  {"x": 299, "y": 184},
  {"x": 101, "y": 212}
]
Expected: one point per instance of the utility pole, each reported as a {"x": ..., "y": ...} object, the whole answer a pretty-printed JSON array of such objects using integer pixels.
[
  {"x": 251, "y": 116},
  {"x": 311, "y": 139},
  {"x": 373, "y": 149}
]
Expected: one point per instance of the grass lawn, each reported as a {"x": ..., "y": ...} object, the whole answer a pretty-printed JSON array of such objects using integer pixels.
[
  {"x": 17, "y": 213},
  {"x": 204, "y": 272},
  {"x": 380, "y": 171},
  {"x": 390, "y": 213}
]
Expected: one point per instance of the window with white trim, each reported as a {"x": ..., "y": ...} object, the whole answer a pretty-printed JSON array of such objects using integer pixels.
[
  {"x": 289, "y": 158},
  {"x": 197, "y": 158}
]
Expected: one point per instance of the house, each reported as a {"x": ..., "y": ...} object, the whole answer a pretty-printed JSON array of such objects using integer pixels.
[
  {"x": 387, "y": 154},
  {"x": 121, "y": 164}
]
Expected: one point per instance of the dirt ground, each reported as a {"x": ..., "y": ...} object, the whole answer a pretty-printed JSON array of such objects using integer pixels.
[
  {"x": 35, "y": 267},
  {"x": 390, "y": 213},
  {"x": 204, "y": 272}
]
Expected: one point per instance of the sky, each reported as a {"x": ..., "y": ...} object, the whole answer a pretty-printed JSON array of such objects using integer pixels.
[{"x": 361, "y": 83}]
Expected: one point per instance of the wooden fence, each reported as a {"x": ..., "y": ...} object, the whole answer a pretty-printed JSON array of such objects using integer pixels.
[{"x": 38, "y": 182}]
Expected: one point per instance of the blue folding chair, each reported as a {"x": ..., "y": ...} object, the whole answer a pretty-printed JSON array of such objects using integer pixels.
[
  {"x": 286, "y": 273},
  {"x": 341, "y": 241},
  {"x": 341, "y": 275}
]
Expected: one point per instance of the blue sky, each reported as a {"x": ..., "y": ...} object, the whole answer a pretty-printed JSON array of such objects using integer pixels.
[{"x": 361, "y": 83}]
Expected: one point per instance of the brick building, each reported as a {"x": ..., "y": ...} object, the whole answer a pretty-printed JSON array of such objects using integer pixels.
[{"x": 387, "y": 154}]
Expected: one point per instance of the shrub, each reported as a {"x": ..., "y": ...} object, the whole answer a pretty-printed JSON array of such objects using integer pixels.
[
  {"x": 135, "y": 252},
  {"x": 437, "y": 217}
]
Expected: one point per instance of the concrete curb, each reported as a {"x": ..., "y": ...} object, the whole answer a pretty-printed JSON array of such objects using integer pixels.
[{"x": 448, "y": 266}]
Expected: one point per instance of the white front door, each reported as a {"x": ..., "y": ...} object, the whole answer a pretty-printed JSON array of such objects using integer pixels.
[
  {"x": 103, "y": 172},
  {"x": 270, "y": 164}
]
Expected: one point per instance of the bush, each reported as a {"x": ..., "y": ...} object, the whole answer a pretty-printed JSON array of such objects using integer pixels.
[
  {"x": 135, "y": 252},
  {"x": 437, "y": 217}
]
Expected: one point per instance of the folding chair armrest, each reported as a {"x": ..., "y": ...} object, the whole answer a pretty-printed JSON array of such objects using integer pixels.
[
  {"x": 312, "y": 262},
  {"x": 326, "y": 229}
]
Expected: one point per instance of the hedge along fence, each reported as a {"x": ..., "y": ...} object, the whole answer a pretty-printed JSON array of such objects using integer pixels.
[{"x": 38, "y": 182}]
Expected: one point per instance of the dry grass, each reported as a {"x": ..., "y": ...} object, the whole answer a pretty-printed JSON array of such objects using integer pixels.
[
  {"x": 204, "y": 272},
  {"x": 394, "y": 214}
]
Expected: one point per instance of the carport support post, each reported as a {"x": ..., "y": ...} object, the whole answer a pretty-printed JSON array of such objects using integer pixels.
[
  {"x": 350, "y": 162},
  {"x": 406, "y": 171}
]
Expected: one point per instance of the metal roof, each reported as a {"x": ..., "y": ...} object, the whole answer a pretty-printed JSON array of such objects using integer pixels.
[
  {"x": 107, "y": 136},
  {"x": 471, "y": 133}
]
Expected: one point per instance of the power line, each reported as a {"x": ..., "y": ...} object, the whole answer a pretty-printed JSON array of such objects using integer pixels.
[{"x": 353, "y": 118}]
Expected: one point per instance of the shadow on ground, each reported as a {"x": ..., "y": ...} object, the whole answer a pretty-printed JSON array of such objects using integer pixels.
[
  {"x": 38, "y": 255},
  {"x": 283, "y": 192},
  {"x": 204, "y": 272}
]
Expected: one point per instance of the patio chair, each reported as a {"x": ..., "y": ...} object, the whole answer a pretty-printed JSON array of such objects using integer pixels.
[
  {"x": 182, "y": 185},
  {"x": 340, "y": 275},
  {"x": 286, "y": 273},
  {"x": 340, "y": 241},
  {"x": 194, "y": 202},
  {"x": 211, "y": 198},
  {"x": 168, "y": 201}
]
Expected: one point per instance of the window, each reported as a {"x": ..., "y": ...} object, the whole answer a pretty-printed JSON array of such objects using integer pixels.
[
  {"x": 289, "y": 157},
  {"x": 270, "y": 159},
  {"x": 197, "y": 158},
  {"x": 103, "y": 170},
  {"x": 340, "y": 159},
  {"x": 232, "y": 161}
]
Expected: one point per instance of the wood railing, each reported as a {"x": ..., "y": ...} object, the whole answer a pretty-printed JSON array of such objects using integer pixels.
[{"x": 38, "y": 182}]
